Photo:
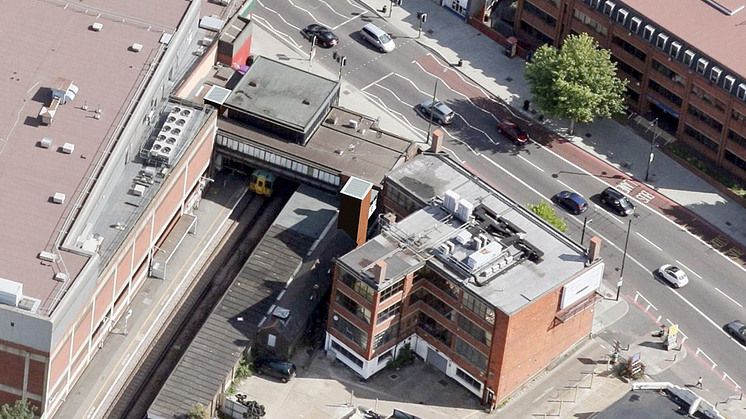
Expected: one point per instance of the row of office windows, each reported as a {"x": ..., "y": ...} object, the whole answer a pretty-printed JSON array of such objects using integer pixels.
[
  {"x": 671, "y": 47},
  {"x": 589, "y": 22},
  {"x": 277, "y": 160},
  {"x": 546, "y": 17}
]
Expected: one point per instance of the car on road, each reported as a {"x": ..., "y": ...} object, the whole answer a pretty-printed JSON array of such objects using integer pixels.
[
  {"x": 439, "y": 112},
  {"x": 324, "y": 37},
  {"x": 571, "y": 201},
  {"x": 737, "y": 329},
  {"x": 283, "y": 370},
  {"x": 513, "y": 132},
  {"x": 617, "y": 201},
  {"x": 673, "y": 275},
  {"x": 376, "y": 36}
]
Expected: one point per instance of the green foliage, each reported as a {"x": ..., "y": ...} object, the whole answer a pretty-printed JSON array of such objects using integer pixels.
[
  {"x": 403, "y": 358},
  {"x": 577, "y": 82},
  {"x": 21, "y": 409},
  {"x": 545, "y": 211},
  {"x": 231, "y": 390},
  {"x": 735, "y": 185},
  {"x": 244, "y": 369},
  {"x": 198, "y": 411}
]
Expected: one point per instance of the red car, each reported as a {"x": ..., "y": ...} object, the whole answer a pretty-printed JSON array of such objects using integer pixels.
[{"x": 513, "y": 132}]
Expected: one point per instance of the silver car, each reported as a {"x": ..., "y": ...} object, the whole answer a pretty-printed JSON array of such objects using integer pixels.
[{"x": 439, "y": 112}]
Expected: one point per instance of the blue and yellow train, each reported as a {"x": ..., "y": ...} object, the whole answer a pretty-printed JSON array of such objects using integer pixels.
[{"x": 262, "y": 182}]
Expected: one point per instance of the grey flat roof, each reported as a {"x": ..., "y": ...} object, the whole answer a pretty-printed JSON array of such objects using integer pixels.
[
  {"x": 364, "y": 153},
  {"x": 37, "y": 50},
  {"x": 232, "y": 325},
  {"x": 424, "y": 230},
  {"x": 281, "y": 93}
]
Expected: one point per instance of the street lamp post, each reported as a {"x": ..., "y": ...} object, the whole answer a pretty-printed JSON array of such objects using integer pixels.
[
  {"x": 652, "y": 147},
  {"x": 342, "y": 63},
  {"x": 432, "y": 105},
  {"x": 586, "y": 221},
  {"x": 624, "y": 258},
  {"x": 126, "y": 319}
]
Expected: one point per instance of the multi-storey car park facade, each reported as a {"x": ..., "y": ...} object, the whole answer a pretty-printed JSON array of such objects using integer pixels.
[
  {"x": 97, "y": 168},
  {"x": 682, "y": 59},
  {"x": 472, "y": 282}
]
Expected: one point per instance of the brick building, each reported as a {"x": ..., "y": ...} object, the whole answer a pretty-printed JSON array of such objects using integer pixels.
[
  {"x": 473, "y": 282},
  {"x": 680, "y": 56}
]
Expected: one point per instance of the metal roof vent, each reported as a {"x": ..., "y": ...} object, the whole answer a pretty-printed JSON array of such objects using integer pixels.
[
  {"x": 61, "y": 276},
  {"x": 45, "y": 142},
  {"x": 97, "y": 26},
  {"x": 136, "y": 48},
  {"x": 332, "y": 120},
  {"x": 58, "y": 198},
  {"x": 306, "y": 102},
  {"x": 353, "y": 124},
  {"x": 68, "y": 148},
  {"x": 48, "y": 256}
]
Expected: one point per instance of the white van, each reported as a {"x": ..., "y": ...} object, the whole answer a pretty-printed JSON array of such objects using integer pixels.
[{"x": 378, "y": 37}]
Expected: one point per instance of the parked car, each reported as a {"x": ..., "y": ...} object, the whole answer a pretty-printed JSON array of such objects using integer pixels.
[
  {"x": 571, "y": 201},
  {"x": 513, "y": 132},
  {"x": 324, "y": 37},
  {"x": 283, "y": 370},
  {"x": 440, "y": 112},
  {"x": 376, "y": 36},
  {"x": 737, "y": 329},
  {"x": 673, "y": 275},
  {"x": 617, "y": 201}
]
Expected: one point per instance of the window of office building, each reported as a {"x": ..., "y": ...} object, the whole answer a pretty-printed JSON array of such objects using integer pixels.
[
  {"x": 530, "y": 8},
  {"x": 441, "y": 283},
  {"x": 480, "y": 335},
  {"x": 705, "y": 118},
  {"x": 401, "y": 200},
  {"x": 479, "y": 308},
  {"x": 530, "y": 30},
  {"x": 659, "y": 67},
  {"x": 627, "y": 69},
  {"x": 350, "y": 331},
  {"x": 360, "y": 287},
  {"x": 347, "y": 354},
  {"x": 386, "y": 336},
  {"x": 738, "y": 116},
  {"x": 703, "y": 139},
  {"x": 631, "y": 49},
  {"x": 434, "y": 329},
  {"x": 464, "y": 376},
  {"x": 392, "y": 290},
  {"x": 471, "y": 354},
  {"x": 389, "y": 312},
  {"x": 589, "y": 22},
  {"x": 737, "y": 138},
  {"x": 353, "y": 307},
  {"x": 434, "y": 302},
  {"x": 707, "y": 98},
  {"x": 664, "y": 92},
  {"x": 737, "y": 161}
]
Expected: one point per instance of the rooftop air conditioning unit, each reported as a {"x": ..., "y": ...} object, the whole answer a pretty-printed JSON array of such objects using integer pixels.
[
  {"x": 353, "y": 124},
  {"x": 11, "y": 292},
  {"x": 464, "y": 210},
  {"x": 450, "y": 200},
  {"x": 47, "y": 256}
]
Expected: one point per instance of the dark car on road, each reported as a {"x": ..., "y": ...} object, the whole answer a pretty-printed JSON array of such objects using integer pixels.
[
  {"x": 283, "y": 370},
  {"x": 324, "y": 37},
  {"x": 617, "y": 201},
  {"x": 439, "y": 112},
  {"x": 737, "y": 329},
  {"x": 513, "y": 132},
  {"x": 571, "y": 201}
]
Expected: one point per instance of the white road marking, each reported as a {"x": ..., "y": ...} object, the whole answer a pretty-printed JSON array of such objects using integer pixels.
[
  {"x": 516, "y": 178},
  {"x": 688, "y": 269},
  {"x": 348, "y": 21},
  {"x": 648, "y": 240},
  {"x": 269, "y": 28},
  {"x": 729, "y": 297},
  {"x": 377, "y": 81},
  {"x": 611, "y": 216},
  {"x": 527, "y": 161}
]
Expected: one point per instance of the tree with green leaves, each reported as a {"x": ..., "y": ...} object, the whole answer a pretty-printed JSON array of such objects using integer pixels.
[
  {"x": 21, "y": 409},
  {"x": 577, "y": 82},
  {"x": 545, "y": 211}
]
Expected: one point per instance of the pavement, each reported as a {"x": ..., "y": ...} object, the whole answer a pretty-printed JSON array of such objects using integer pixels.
[
  {"x": 715, "y": 217},
  {"x": 585, "y": 383}
]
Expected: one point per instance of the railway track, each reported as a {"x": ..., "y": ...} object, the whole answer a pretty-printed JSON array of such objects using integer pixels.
[{"x": 252, "y": 218}]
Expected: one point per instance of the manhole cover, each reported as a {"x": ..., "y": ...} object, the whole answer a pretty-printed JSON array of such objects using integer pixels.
[
  {"x": 443, "y": 382},
  {"x": 394, "y": 376}
]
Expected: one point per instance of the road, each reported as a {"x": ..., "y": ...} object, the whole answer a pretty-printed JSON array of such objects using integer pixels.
[{"x": 399, "y": 80}]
